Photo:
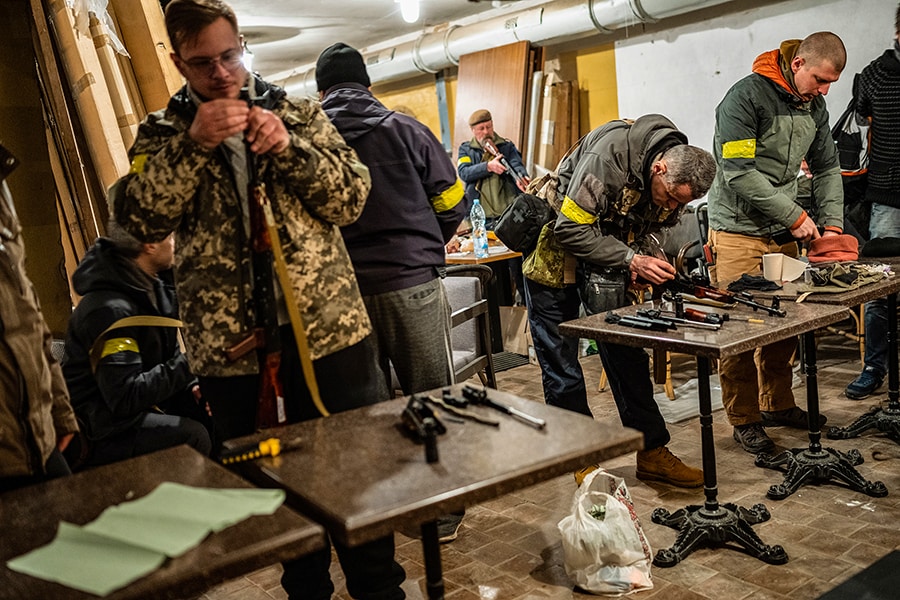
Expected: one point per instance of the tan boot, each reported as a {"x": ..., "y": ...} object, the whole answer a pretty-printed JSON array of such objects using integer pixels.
[
  {"x": 660, "y": 464},
  {"x": 580, "y": 474}
]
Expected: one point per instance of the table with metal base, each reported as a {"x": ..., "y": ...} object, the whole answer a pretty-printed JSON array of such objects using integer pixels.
[
  {"x": 885, "y": 419},
  {"x": 816, "y": 464},
  {"x": 713, "y": 523},
  {"x": 357, "y": 474}
]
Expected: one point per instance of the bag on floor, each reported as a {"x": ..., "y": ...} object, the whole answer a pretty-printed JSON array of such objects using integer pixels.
[{"x": 603, "y": 544}]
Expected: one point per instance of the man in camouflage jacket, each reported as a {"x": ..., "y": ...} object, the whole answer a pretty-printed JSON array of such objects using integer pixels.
[{"x": 189, "y": 175}]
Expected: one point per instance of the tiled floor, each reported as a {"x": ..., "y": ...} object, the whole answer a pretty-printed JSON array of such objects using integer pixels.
[{"x": 510, "y": 548}]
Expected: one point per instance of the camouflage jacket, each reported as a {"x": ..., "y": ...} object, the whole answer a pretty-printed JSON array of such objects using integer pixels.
[{"x": 315, "y": 185}]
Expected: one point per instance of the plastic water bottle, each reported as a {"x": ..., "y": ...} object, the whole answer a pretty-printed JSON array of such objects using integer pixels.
[{"x": 479, "y": 232}]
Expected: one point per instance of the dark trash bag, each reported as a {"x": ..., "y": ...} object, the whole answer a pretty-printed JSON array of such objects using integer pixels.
[{"x": 520, "y": 224}]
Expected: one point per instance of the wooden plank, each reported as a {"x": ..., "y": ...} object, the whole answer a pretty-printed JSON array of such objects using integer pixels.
[
  {"x": 81, "y": 179},
  {"x": 495, "y": 79},
  {"x": 144, "y": 35}
]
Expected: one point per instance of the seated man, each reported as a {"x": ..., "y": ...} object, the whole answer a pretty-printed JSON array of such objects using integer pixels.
[{"x": 131, "y": 388}]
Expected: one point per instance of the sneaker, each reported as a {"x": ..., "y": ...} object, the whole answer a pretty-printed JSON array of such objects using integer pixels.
[
  {"x": 448, "y": 526},
  {"x": 753, "y": 438},
  {"x": 580, "y": 474},
  {"x": 865, "y": 385},
  {"x": 790, "y": 417},
  {"x": 659, "y": 464}
]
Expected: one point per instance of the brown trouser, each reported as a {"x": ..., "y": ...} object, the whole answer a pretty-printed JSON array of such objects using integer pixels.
[{"x": 757, "y": 379}]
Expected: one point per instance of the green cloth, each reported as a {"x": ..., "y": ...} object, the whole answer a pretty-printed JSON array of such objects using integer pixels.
[
  {"x": 134, "y": 538},
  {"x": 834, "y": 278}
]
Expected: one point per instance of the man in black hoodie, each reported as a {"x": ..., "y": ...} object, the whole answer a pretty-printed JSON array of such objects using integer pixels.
[
  {"x": 130, "y": 383},
  {"x": 397, "y": 244}
]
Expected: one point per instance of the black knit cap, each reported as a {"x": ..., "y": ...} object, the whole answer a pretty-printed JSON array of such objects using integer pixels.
[{"x": 339, "y": 63}]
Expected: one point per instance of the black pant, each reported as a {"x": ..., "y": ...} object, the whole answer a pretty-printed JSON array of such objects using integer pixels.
[
  {"x": 154, "y": 432},
  {"x": 628, "y": 371},
  {"x": 347, "y": 379}
]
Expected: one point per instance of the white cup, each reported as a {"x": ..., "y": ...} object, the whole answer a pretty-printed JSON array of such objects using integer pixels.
[{"x": 772, "y": 265}]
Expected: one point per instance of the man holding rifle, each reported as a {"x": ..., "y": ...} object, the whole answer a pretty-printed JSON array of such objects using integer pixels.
[
  {"x": 492, "y": 169},
  {"x": 192, "y": 164}
]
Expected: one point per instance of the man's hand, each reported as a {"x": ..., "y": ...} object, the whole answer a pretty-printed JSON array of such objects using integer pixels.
[
  {"x": 523, "y": 183},
  {"x": 266, "y": 132},
  {"x": 828, "y": 233},
  {"x": 494, "y": 166},
  {"x": 806, "y": 231},
  {"x": 651, "y": 270},
  {"x": 453, "y": 245},
  {"x": 217, "y": 120}
]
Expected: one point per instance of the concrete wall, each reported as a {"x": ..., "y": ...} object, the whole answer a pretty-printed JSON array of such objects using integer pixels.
[{"x": 684, "y": 71}]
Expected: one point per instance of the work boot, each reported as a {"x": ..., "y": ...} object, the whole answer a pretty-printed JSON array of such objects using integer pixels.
[
  {"x": 753, "y": 438},
  {"x": 790, "y": 417},
  {"x": 865, "y": 385},
  {"x": 448, "y": 526},
  {"x": 580, "y": 474},
  {"x": 659, "y": 464}
]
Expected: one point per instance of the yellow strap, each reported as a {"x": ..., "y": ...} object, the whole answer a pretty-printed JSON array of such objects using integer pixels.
[
  {"x": 463, "y": 160},
  {"x": 292, "y": 307},
  {"x": 576, "y": 214},
  {"x": 739, "y": 149},
  {"x": 449, "y": 197},
  {"x": 137, "y": 321}
]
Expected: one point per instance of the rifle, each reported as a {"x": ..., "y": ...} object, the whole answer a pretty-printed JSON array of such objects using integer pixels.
[
  {"x": 700, "y": 289},
  {"x": 270, "y": 409},
  {"x": 649, "y": 313},
  {"x": 488, "y": 145},
  {"x": 639, "y": 322}
]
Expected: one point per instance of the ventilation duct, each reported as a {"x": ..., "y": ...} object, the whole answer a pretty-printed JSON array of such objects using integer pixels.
[{"x": 553, "y": 22}]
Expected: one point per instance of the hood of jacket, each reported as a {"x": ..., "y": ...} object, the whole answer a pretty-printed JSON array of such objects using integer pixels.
[
  {"x": 104, "y": 269},
  {"x": 775, "y": 65},
  {"x": 648, "y": 136},
  {"x": 634, "y": 151},
  {"x": 354, "y": 110}
]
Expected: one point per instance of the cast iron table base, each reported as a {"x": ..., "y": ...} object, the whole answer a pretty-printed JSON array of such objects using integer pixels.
[
  {"x": 701, "y": 525},
  {"x": 712, "y": 523},
  {"x": 816, "y": 464},
  {"x": 886, "y": 420}
]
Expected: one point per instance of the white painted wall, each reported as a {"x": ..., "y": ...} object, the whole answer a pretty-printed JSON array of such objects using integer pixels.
[{"x": 684, "y": 72}]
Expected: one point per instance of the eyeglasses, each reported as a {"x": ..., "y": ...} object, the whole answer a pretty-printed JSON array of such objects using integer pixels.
[{"x": 230, "y": 61}]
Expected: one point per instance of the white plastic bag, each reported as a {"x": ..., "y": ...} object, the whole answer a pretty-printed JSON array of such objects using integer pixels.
[{"x": 607, "y": 553}]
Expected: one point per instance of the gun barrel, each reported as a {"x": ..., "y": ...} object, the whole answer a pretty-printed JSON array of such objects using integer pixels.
[
  {"x": 492, "y": 149},
  {"x": 775, "y": 312}
]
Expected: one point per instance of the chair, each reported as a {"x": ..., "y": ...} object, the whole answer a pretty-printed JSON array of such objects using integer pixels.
[{"x": 470, "y": 335}]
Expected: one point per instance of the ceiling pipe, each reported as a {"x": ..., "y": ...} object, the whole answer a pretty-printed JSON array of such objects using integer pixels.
[{"x": 553, "y": 22}]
